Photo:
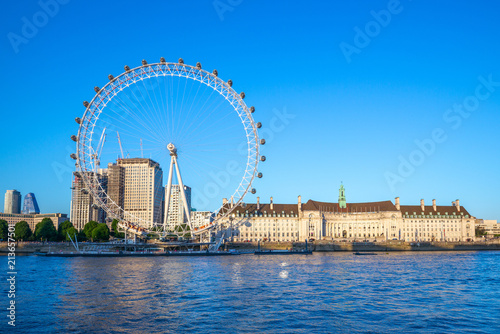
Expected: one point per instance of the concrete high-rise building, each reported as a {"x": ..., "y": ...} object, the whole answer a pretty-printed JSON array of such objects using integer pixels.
[
  {"x": 176, "y": 214},
  {"x": 30, "y": 206},
  {"x": 143, "y": 190},
  {"x": 201, "y": 218},
  {"x": 12, "y": 202},
  {"x": 116, "y": 187},
  {"x": 83, "y": 206}
]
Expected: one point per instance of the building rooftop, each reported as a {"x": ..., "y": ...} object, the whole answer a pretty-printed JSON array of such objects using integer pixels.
[
  {"x": 133, "y": 161},
  {"x": 266, "y": 208},
  {"x": 429, "y": 209},
  {"x": 351, "y": 207}
]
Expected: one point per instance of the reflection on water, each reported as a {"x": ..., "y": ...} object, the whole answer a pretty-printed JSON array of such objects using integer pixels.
[{"x": 330, "y": 292}]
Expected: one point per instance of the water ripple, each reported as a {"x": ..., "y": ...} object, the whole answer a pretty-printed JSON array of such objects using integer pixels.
[{"x": 323, "y": 293}]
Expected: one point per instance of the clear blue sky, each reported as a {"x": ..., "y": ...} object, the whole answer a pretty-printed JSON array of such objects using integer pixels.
[{"x": 352, "y": 121}]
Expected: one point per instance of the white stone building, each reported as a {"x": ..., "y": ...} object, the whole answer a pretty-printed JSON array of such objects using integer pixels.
[{"x": 372, "y": 221}]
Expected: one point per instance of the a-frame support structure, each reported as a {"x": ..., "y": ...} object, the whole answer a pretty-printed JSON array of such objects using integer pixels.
[{"x": 173, "y": 162}]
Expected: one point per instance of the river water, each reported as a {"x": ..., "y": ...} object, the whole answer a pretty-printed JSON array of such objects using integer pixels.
[{"x": 434, "y": 292}]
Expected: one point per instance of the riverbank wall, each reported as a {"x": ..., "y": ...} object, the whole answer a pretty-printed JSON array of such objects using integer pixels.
[
  {"x": 317, "y": 246},
  {"x": 388, "y": 246}
]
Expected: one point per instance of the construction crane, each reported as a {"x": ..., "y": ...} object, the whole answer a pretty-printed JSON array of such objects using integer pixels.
[
  {"x": 99, "y": 147},
  {"x": 120, "y": 142}
]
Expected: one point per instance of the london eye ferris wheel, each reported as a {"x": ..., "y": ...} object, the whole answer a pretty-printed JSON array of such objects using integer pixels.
[{"x": 169, "y": 114}]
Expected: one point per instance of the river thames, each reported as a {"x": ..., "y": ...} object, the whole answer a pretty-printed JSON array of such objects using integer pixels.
[{"x": 412, "y": 292}]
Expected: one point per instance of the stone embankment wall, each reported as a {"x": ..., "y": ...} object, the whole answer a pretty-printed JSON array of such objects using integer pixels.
[
  {"x": 31, "y": 247},
  {"x": 329, "y": 246},
  {"x": 317, "y": 246}
]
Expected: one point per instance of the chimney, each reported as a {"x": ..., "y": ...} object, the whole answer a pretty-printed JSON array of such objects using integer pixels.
[
  {"x": 258, "y": 203},
  {"x": 398, "y": 207},
  {"x": 224, "y": 201},
  {"x": 458, "y": 204},
  {"x": 422, "y": 205},
  {"x": 232, "y": 202},
  {"x": 300, "y": 206},
  {"x": 434, "y": 205},
  {"x": 271, "y": 204}
]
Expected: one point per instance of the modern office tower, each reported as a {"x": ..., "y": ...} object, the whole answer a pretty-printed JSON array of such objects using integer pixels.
[
  {"x": 143, "y": 190},
  {"x": 116, "y": 188},
  {"x": 30, "y": 206},
  {"x": 12, "y": 202},
  {"x": 176, "y": 215},
  {"x": 83, "y": 206}
]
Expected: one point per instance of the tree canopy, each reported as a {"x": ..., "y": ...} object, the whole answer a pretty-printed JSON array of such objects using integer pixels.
[
  {"x": 114, "y": 227},
  {"x": 4, "y": 229},
  {"x": 45, "y": 230},
  {"x": 89, "y": 227},
  {"x": 23, "y": 231},
  {"x": 65, "y": 228},
  {"x": 101, "y": 232},
  {"x": 480, "y": 231},
  {"x": 72, "y": 231}
]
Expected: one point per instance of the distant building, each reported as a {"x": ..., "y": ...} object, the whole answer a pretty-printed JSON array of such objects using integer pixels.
[
  {"x": 30, "y": 206},
  {"x": 176, "y": 214},
  {"x": 83, "y": 206},
  {"x": 143, "y": 190},
  {"x": 373, "y": 221},
  {"x": 33, "y": 219},
  {"x": 266, "y": 222},
  {"x": 491, "y": 227},
  {"x": 116, "y": 188},
  {"x": 12, "y": 203},
  {"x": 200, "y": 218}
]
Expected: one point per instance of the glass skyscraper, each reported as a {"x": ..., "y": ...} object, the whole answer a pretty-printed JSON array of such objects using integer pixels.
[{"x": 30, "y": 205}]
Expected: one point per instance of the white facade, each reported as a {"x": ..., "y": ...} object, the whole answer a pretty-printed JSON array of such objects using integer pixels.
[
  {"x": 372, "y": 221},
  {"x": 491, "y": 227},
  {"x": 12, "y": 203},
  {"x": 176, "y": 215},
  {"x": 201, "y": 218},
  {"x": 436, "y": 223}
]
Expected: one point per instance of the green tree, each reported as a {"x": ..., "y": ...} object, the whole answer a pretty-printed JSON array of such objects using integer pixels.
[
  {"x": 63, "y": 229},
  {"x": 71, "y": 231},
  {"x": 88, "y": 228},
  {"x": 4, "y": 229},
  {"x": 45, "y": 230},
  {"x": 101, "y": 232},
  {"x": 114, "y": 227},
  {"x": 81, "y": 236},
  {"x": 22, "y": 231},
  {"x": 480, "y": 231}
]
